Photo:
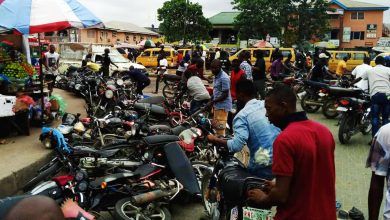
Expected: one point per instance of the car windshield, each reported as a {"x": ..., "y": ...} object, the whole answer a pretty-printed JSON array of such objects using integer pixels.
[{"x": 118, "y": 59}]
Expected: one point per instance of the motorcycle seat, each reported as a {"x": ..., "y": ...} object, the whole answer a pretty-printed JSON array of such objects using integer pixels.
[
  {"x": 170, "y": 77},
  {"x": 83, "y": 150},
  {"x": 161, "y": 128},
  {"x": 345, "y": 92},
  {"x": 315, "y": 84},
  {"x": 156, "y": 100},
  {"x": 160, "y": 139},
  {"x": 156, "y": 109}
]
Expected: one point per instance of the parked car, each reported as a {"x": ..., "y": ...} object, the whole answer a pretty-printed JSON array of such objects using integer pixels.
[
  {"x": 355, "y": 58},
  {"x": 148, "y": 58}
]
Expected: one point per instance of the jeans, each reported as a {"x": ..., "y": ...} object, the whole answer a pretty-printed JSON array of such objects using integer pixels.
[
  {"x": 159, "y": 77},
  {"x": 196, "y": 105},
  {"x": 260, "y": 88},
  {"x": 379, "y": 105},
  {"x": 141, "y": 85}
]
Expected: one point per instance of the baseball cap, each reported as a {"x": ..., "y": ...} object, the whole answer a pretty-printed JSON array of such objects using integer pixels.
[{"x": 323, "y": 55}]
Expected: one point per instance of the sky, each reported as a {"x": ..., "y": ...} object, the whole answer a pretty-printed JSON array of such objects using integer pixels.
[{"x": 144, "y": 13}]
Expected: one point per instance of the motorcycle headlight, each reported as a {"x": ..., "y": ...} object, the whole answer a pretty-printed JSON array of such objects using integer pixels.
[
  {"x": 77, "y": 86},
  {"x": 119, "y": 82},
  {"x": 109, "y": 94},
  {"x": 47, "y": 143}
]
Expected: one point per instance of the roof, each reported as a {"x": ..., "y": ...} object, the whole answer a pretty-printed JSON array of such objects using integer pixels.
[
  {"x": 127, "y": 27},
  {"x": 350, "y": 5},
  {"x": 223, "y": 18}
]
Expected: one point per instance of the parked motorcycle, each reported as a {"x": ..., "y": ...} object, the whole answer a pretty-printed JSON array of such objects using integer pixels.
[{"x": 356, "y": 115}]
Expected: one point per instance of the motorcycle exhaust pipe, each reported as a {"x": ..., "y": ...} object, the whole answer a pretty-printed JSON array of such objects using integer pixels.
[
  {"x": 151, "y": 196},
  {"x": 313, "y": 103}
]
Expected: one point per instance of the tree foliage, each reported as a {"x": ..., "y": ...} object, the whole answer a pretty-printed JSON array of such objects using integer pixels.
[
  {"x": 294, "y": 21},
  {"x": 183, "y": 20}
]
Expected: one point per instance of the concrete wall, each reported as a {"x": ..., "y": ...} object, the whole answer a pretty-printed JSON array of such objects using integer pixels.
[{"x": 109, "y": 36}]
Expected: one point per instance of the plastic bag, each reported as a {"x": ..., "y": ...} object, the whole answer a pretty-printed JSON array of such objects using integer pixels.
[{"x": 61, "y": 103}]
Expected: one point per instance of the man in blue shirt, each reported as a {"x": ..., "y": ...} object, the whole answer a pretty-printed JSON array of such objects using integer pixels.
[
  {"x": 251, "y": 127},
  {"x": 222, "y": 99}
]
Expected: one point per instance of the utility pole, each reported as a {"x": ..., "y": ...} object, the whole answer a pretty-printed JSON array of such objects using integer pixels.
[{"x": 185, "y": 22}]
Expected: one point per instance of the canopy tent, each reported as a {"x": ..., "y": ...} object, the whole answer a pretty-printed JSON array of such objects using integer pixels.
[
  {"x": 146, "y": 43},
  {"x": 263, "y": 44},
  {"x": 37, "y": 16}
]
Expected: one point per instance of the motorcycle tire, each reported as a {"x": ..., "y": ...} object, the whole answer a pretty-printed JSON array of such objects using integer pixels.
[
  {"x": 308, "y": 108},
  {"x": 43, "y": 175},
  {"x": 168, "y": 91},
  {"x": 329, "y": 109},
  {"x": 121, "y": 213},
  {"x": 346, "y": 125},
  {"x": 366, "y": 127},
  {"x": 204, "y": 188}
]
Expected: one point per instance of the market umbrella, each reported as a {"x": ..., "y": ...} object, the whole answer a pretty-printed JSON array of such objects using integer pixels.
[
  {"x": 263, "y": 44},
  {"x": 146, "y": 43},
  {"x": 37, "y": 16}
]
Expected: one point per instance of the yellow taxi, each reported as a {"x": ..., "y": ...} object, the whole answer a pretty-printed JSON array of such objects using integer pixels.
[
  {"x": 267, "y": 52},
  {"x": 148, "y": 57},
  {"x": 381, "y": 54},
  {"x": 355, "y": 58}
]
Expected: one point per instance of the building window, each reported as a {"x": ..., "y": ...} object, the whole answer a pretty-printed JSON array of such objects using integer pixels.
[
  {"x": 357, "y": 35},
  {"x": 357, "y": 15},
  {"x": 90, "y": 33},
  {"x": 334, "y": 16},
  {"x": 114, "y": 34}
]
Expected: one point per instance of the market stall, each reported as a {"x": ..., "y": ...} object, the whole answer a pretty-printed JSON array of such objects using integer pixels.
[{"x": 20, "y": 94}]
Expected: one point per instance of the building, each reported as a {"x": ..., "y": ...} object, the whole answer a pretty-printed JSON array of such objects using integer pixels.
[
  {"x": 352, "y": 23},
  {"x": 112, "y": 32},
  {"x": 355, "y": 24},
  {"x": 223, "y": 27}
]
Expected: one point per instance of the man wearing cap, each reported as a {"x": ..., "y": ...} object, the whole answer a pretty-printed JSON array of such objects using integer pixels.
[{"x": 320, "y": 70}]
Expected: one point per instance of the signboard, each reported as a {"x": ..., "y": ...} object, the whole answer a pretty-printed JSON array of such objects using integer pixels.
[
  {"x": 371, "y": 27},
  {"x": 336, "y": 12},
  {"x": 336, "y": 43},
  {"x": 347, "y": 34},
  {"x": 243, "y": 44},
  {"x": 371, "y": 30}
]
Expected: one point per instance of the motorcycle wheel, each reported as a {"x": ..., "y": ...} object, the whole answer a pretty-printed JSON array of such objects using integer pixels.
[
  {"x": 329, "y": 109},
  {"x": 346, "y": 126},
  {"x": 45, "y": 173},
  {"x": 366, "y": 126},
  {"x": 201, "y": 169},
  {"x": 124, "y": 209},
  {"x": 169, "y": 91},
  {"x": 205, "y": 185},
  {"x": 306, "y": 107}
]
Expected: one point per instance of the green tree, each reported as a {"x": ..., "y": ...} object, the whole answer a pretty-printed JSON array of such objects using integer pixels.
[
  {"x": 183, "y": 20},
  {"x": 294, "y": 21}
]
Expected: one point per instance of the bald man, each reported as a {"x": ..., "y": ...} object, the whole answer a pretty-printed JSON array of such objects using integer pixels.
[
  {"x": 35, "y": 208},
  {"x": 222, "y": 99}
]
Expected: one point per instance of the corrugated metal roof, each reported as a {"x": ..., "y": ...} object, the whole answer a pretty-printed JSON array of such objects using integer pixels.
[
  {"x": 223, "y": 18},
  {"x": 357, "y": 5},
  {"x": 128, "y": 27}
]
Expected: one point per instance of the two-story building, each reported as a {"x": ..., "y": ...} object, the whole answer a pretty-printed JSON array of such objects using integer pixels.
[{"x": 356, "y": 24}]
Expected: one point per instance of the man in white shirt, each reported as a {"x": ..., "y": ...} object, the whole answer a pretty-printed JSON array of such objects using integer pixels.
[
  {"x": 161, "y": 70},
  {"x": 196, "y": 90},
  {"x": 378, "y": 160},
  {"x": 359, "y": 71},
  {"x": 51, "y": 63},
  {"x": 379, "y": 85}
]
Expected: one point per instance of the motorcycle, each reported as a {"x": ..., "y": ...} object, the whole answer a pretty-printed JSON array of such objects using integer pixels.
[
  {"x": 356, "y": 115},
  {"x": 224, "y": 190}
]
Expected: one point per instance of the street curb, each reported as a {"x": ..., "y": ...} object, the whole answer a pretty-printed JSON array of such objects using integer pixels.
[{"x": 13, "y": 183}]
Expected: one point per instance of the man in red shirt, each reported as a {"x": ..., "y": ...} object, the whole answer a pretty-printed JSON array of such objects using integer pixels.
[{"x": 303, "y": 163}]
